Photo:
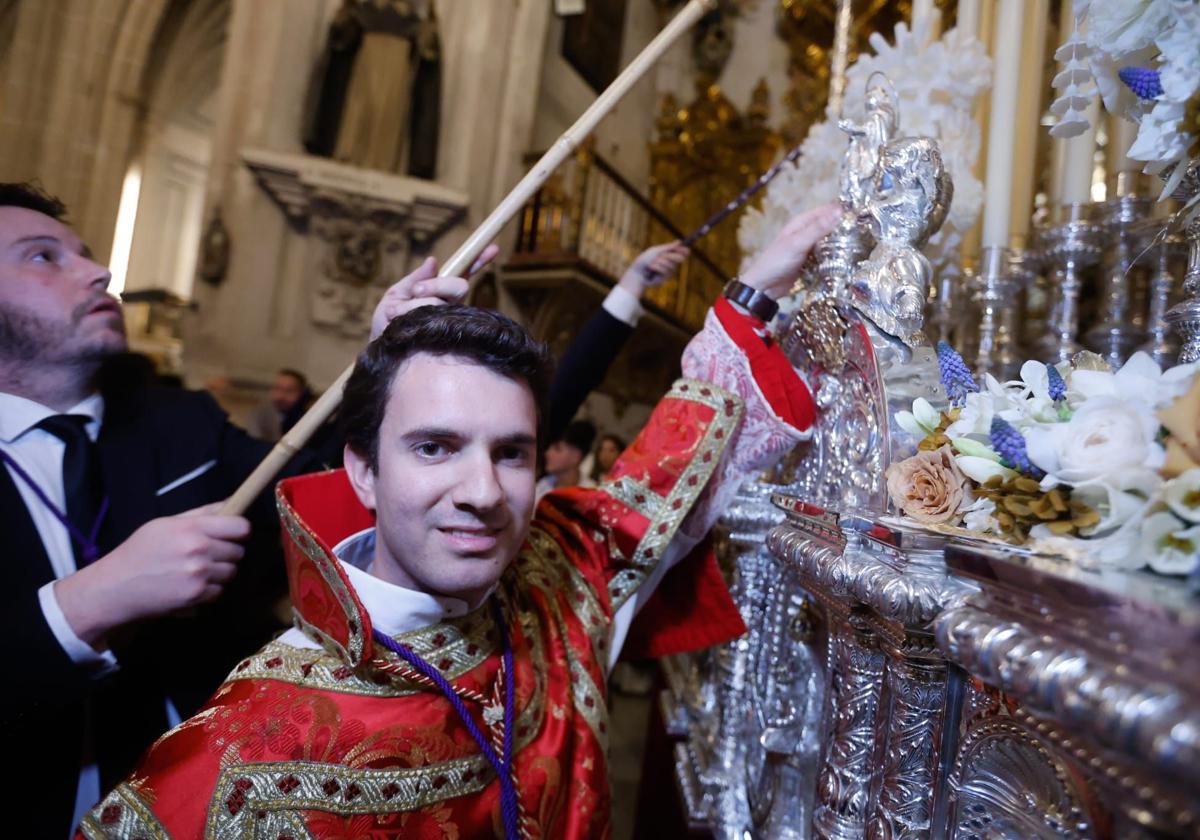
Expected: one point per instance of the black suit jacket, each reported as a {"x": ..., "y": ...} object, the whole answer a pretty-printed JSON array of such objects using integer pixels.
[
  {"x": 583, "y": 366},
  {"x": 148, "y": 439}
]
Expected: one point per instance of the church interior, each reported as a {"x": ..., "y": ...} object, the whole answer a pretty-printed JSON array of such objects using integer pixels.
[{"x": 971, "y": 597}]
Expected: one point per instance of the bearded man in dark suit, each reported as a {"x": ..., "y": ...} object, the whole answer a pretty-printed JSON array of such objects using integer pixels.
[{"x": 127, "y": 595}]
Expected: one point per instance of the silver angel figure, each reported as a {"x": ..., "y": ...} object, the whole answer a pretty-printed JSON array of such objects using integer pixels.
[
  {"x": 908, "y": 204},
  {"x": 867, "y": 140}
]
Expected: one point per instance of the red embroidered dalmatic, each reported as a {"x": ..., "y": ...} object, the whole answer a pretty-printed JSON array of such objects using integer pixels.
[{"x": 344, "y": 741}]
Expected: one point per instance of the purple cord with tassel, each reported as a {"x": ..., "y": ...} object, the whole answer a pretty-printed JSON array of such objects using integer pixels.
[{"x": 509, "y": 807}]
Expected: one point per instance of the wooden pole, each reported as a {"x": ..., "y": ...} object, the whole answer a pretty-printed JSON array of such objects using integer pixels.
[{"x": 470, "y": 250}]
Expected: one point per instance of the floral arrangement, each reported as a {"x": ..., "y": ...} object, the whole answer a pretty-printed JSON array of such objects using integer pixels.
[
  {"x": 1102, "y": 467},
  {"x": 937, "y": 81},
  {"x": 1143, "y": 57}
]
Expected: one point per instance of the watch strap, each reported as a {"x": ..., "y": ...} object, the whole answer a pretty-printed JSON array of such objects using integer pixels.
[{"x": 757, "y": 303}]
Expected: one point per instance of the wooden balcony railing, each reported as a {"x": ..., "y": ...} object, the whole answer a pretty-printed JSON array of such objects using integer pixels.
[{"x": 588, "y": 212}]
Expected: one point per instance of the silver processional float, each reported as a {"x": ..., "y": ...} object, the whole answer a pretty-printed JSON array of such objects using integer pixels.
[{"x": 897, "y": 682}]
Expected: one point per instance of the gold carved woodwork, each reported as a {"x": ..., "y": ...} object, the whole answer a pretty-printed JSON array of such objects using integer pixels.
[
  {"x": 708, "y": 151},
  {"x": 704, "y": 155}
]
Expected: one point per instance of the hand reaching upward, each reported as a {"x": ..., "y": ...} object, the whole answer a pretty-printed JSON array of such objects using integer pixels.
[
  {"x": 423, "y": 287},
  {"x": 653, "y": 266},
  {"x": 777, "y": 268}
]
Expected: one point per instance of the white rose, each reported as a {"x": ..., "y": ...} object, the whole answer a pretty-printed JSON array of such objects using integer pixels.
[{"x": 1106, "y": 438}]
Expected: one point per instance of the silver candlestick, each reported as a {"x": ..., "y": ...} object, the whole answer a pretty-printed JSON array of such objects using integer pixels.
[
  {"x": 1024, "y": 267},
  {"x": 944, "y": 310},
  {"x": 997, "y": 294},
  {"x": 1161, "y": 343},
  {"x": 1184, "y": 317},
  {"x": 1116, "y": 335},
  {"x": 1069, "y": 249},
  {"x": 964, "y": 334}
]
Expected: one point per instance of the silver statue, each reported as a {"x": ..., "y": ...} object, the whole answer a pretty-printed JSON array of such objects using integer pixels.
[
  {"x": 908, "y": 205},
  {"x": 867, "y": 140}
]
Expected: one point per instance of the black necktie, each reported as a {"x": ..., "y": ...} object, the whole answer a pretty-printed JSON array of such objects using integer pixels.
[{"x": 81, "y": 478}]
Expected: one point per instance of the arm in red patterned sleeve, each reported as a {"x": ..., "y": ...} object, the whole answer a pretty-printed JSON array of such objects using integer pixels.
[
  {"x": 739, "y": 408},
  {"x": 733, "y": 353}
]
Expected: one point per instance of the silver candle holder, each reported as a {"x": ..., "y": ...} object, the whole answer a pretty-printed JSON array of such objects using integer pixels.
[
  {"x": 997, "y": 349},
  {"x": 1069, "y": 249},
  {"x": 944, "y": 309},
  {"x": 1161, "y": 342},
  {"x": 1184, "y": 317},
  {"x": 1117, "y": 333}
]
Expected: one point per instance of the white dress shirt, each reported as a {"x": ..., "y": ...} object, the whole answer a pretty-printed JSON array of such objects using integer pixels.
[
  {"x": 40, "y": 454},
  {"x": 623, "y": 305},
  {"x": 394, "y": 609}
]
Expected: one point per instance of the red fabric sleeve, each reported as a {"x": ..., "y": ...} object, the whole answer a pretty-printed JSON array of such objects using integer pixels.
[
  {"x": 783, "y": 389},
  {"x": 690, "y": 610}
]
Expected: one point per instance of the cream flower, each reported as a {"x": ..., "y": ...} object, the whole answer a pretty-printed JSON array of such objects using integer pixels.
[
  {"x": 922, "y": 421},
  {"x": 1182, "y": 495},
  {"x": 979, "y": 461},
  {"x": 1121, "y": 499},
  {"x": 1180, "y": 75},
  {"x": 1169, "y": 547},
  {"x": 929, "y": 487},
  {"x": 1118, "y": 549},
  {"x": 978, "y": 516},
  {"x": 1182, "y": 421},
  {"x": 1105, "y": 439},
  {"x": 1159, "y": 139}
]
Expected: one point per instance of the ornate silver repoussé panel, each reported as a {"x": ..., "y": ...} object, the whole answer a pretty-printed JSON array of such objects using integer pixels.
[{"x": 895, "y": 683}]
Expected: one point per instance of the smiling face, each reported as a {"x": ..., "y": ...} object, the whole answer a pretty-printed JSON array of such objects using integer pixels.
[
  {"x": 454, "y": 487},
  {"x": 54, "y": 307}
]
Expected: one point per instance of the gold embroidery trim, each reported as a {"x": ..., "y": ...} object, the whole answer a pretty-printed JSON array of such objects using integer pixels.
[
  {"x": 583, "y": 690},
  {"x": 307, "y": 542},
  {"x": 635, "y": 495},
  {"x": 122, "y": 814},
  {"x": 247, "y": 793},
  {"x": 557, "y": 576},
  {"x": 561, "y": 581},
  {"x": 316, "y": 669},
  {"x": 243, "y": 791},
  {"x": 727, "y": 414}
]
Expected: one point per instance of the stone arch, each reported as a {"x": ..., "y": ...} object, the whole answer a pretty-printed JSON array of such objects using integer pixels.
[
  {"x": 77, "y": 83},
  {"x": 169, "y": 52},
  {"x": 172, "y": 143}
]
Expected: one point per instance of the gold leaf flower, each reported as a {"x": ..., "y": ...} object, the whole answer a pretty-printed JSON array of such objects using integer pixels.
[{"x": 1182, "y": 421}]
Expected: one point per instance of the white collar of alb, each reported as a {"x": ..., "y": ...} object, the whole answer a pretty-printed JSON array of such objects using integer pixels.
[{"x": 393, "y": 609}]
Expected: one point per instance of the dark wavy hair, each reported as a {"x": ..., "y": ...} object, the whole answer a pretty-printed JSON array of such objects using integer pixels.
[
  {"x": 32, "y": 197},
  {"x": 481, "y": 336}
]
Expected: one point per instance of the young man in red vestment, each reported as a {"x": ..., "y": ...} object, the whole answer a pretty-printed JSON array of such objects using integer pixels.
[{"x": 446, "y": 674}]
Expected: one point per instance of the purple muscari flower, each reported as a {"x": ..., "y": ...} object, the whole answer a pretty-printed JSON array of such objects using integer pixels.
[
  {"x": 1010, "y": 444},
  {"x": 1058, "y": 388},
  {"x": 956, "y": 376},
  {"x": 1143, "y": 81}
]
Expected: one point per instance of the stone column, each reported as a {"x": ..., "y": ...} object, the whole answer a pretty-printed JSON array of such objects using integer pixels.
[{"x": 253, "y": 323}]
